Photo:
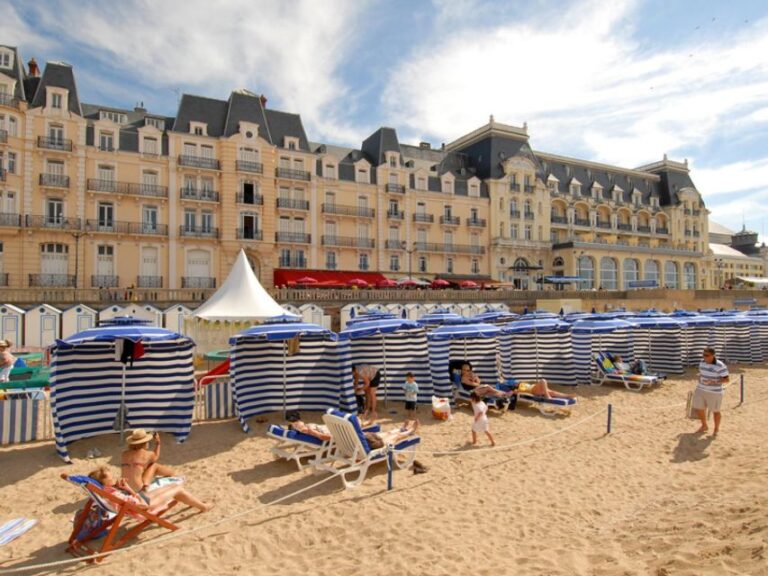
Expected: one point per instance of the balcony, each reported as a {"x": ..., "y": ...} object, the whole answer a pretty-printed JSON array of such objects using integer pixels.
[
  {"x": 60, "y": 144},
  {"x": 662, "y": 231},
  {"x": 248, "y": 166},
  {"x": 102, "y": 281},
  {"x": 644, "y": 229},
  {"x": 688, "y": 233},
  {"x": 396, "y": 188},
  {"x": 119, "y": 227},
  {"x": 130, "y": 188},
  {"x": 514, "y": 213},
  {"x": 605, "y": 224},
  {"x": 55, "y": 222},
  {"x": 249, "y": 234},
  {"x": 198, "y": 231},
  {"x": 149, "y": 281},
  {"x": 528, "y": 189},
  {"x": 624, "y": 226},
  {"x": 558, "y": 219},
  {"x": 477, "y": 222},
  {"x": 695, "y": 212},
  {"x": 8, "y": 100},
  {"x": 293, "y": 237},
  {"x": 54, "y": 180},
  {"x": 514, "y": 186},
  {"x": 360, "y": 211},
  {"x": 395, "y": 214},
  {"x": 250, "y": 199},
  {"x": 696, "y": 233},
  {"x": 581, "y": 221},
  {"x": 202, "y": 194},
  {"x": 52, "y": 280},
  {"x": 529, "y": 215},
  {"x": 347, "y": 241},
  {"x": 292, "y": 174},
  {"x": 394, "y": 245},
  {"x": 293, "y": 204},
  {"x": 295, "y": 263},
  {"x": 3, "y": 136},
  {"x": 450, "y": 220},
  {"x": 199, "y": 162},
  {"x": 687, "y": 211},
  {"x": 450, "y": 248},
  {"x": 420, "y": 217},
  {"x": 204, "y": 282},
  {"x": 10, "y": 219}
]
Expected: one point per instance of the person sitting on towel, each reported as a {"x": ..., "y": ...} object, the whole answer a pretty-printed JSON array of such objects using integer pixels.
[
  {"x": 471, "y": 383},
  {"x": 381, "y": 439},
  {"x": 536, "y": 388},
  {"x": 140, "y": 465}
]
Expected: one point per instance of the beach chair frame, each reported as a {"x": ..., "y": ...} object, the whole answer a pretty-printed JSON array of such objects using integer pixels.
[
  {"x": 350, "y": 456},
  {"x": 633, "y": 382},
  {"x": 116, "y": 511},
  {"x": 549, "y": 407},
  {"x": 294, "y": 446}
]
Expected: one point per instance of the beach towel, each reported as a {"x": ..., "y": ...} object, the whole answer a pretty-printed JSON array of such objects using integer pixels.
[{"x": 15, "y": 528}]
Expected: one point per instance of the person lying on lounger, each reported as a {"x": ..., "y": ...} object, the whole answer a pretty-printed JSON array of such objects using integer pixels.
[
  {"x": 471, "y": 383},
  {"x": 536, "y": 388},
  {"x": 381, "y": 439},
  {"x": 152, "y": 500},
  {"x": 635, "y": 367},
  {"x": 140, "y": 465},
  {"x": 317, "y": 430}
]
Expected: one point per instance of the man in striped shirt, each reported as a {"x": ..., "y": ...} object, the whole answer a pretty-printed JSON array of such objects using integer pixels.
[{"x": 713, "y": 375}]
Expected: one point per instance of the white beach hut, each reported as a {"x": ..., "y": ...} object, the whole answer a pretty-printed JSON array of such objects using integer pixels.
[
  {"x": 12, "y": 324},
  {"x": 76, "y": 319},
  {"x": 42, "y": 326},
  {"x": 173, "y": 317}
]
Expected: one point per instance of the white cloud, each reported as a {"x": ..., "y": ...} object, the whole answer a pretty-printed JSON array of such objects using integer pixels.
[{"x": 290, "y": 51}]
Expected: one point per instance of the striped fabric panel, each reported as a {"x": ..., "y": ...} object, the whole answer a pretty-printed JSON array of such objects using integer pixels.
[
  {"x": 586, "y": 345},
  {"x": 482, "y": 353},
  {"x": 405, "y": 351},
  {"x": 318, "y": 377},
  {"x": 661, "y": 348},
  {"x": 696, "y": 339},
  {"x": 439, "y": 353},
  {"x": 738, "y": 343},
  {"x": 761, "y": 350},
  {"x": 86, "y": 386},
  {"x": 505, "y": 354},
  {"x": 19, "y": 420},
  {"x": 219, "y": 403},
  {"x": 545, "y": 355}
]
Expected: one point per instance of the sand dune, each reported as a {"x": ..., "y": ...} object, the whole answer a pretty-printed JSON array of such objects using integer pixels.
[{"x": 651, "y": 498}]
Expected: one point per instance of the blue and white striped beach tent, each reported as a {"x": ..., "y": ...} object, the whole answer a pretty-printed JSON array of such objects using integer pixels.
[
  {"x": 349, "y": 311},
  {"x": 698, "y": 333},
  {"x": 538, "y": 348},
  {"x": 396, "y": 346},
  {"x": 87, "y": 382},
  {"x": 498, "y": 317},
  {"x": 477, "y": 343},
  {"x": 760, "y": 317},
  {"x": 590, "y": 336},
  {"x": 439, "y": 317},
  {"x": 289, "y": 366},
  {"x": 733, "y": 339},
  {"x": 659, "y": 340}
]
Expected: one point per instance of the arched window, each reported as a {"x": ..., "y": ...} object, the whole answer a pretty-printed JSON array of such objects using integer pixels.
[
  {"x": 558, "y": 262},
  {"x": 670, "y": 274},
  {"x": 521, "y": 265},
  {"x": 689, "y": 276},
  {"x": 608, "y": 273},
  {"x": 651, "y": 271},
  {"x": 631, "y": 270},
  {"x": 586, "y": 271}
]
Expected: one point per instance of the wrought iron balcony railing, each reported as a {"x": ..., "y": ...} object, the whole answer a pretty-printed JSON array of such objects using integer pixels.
[
  {"x": 558, "y": 219},
  {"x": 8, "y": 100},
  {"x": 203, "y": 194},
  {"x": 249, "y": 234},
  {"x": 347, "y": 241},
  {"x": 396, "y": 188},
  {"x": 54, "y": 180},
  {"x": 396, "y": 214},
  {"x": 131, "y": 188},
  {"x": 450, "y": 220},
  {"x": 121, "y": 227},
  {"x": 199, "y": 162},
  {"x": 293, "y": 237},
  {"x": 198, "y": 231},
  {"x": 293, "y": 203},
  {"x": 359, "y": 211},
  {"x": 51, "y": 280},
  {"x": 149, "y": 281},
  {"x": 60, "y": 144},
  {"x": 450, "y": 248},
  {"x": 581, "y": 221},
  {"x": 293, "y": 174},
  {"x": 421, "y": 217},
  {"x": 478, "y": 222},
  {"x": 102, "y": 281},
  {"x": 204, "y": 282},
  {"x": 57, "y": 222},
  {"x": 252, "y": 199},
  {"x": 249, "y": 166}
]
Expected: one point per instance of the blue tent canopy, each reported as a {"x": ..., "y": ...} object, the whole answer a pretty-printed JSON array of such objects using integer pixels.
[
  {"x": 494, "y": 316},
  {"x": 283, "y": 331},
  {"x": 537, "y": 325},
  {"x": 123, "y": 321},
  {"x": 133, "y": 332},
  {"x": 442, "y": 317},
  {"x": 657, "y": 321},
  {"x": 371, "y": 316},
  {"x": 451, "y": 331},
  {"x": 361, "y": 329},
  {"x": 594, "y": 325}
]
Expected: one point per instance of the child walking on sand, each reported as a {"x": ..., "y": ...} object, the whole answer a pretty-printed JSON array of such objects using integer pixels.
[
  {"x": 411, "y": 396},
  {"x": 480, "y": 421}
]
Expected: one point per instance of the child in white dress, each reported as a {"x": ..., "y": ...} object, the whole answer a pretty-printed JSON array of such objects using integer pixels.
[{"x": 480, "y": 421}]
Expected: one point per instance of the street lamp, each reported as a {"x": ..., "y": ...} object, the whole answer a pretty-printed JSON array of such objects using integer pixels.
[
  {"x": 719, "y": 265},
  {"x": 77, "y": 234},
  {"x": 410, "y": 252}
]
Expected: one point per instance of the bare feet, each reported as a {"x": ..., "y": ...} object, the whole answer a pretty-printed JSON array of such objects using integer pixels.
[
  {"x": 207, "y": 507},
  {"x": 702, "y": 429}
]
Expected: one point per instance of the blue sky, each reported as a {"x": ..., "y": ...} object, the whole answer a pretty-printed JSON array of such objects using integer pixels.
[{"x": 621, "y": 82}]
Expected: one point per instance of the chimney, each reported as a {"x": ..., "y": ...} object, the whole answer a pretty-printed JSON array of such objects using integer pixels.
[
  {"x": 263, "y": 100},
  {"x": 34, "y": 70},
  {"x": 425, "y": 145}
]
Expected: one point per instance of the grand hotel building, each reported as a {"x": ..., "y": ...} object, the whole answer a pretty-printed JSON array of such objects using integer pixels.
[{"x": 93, "y": 196}]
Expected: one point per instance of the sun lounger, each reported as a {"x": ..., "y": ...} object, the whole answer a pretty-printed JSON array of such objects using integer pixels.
[
  {"x": 294, "y": 445},
  {"x": 605, "y": 371},
  {"x": 350, "y": 453},
  {"x": 547, "y": 406},
  {"x": 111, "y": 511}
]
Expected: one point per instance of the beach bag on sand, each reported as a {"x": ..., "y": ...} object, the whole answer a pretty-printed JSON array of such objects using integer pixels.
[
  {"x": 441, "y": 408},
  {"x": 690, "y": 413},
  {"x": 94, "y": 525}
]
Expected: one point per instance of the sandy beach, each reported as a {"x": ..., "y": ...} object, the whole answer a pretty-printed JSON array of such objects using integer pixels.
[{"x": 652, "y": 497}]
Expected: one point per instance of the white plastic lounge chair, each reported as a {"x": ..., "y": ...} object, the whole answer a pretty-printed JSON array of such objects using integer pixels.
[
  {"x": 547, "y": 406},
  {"x": 605, "y": 371},
  {"x": 294, "y": 445},
  {"x": 350, "y": 453}
]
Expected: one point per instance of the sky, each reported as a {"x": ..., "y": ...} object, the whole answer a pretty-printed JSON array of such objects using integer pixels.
[{"x": 621, "y": 82}]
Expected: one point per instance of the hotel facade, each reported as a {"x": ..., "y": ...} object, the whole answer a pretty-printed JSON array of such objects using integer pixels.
[{"x": 94, "y": 196}]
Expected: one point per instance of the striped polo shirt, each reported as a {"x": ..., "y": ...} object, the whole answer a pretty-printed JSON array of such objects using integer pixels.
[{"x": 710, "y": 376}]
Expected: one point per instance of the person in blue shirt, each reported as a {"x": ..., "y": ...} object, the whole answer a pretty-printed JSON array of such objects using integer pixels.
[{"x": 411, "y": 395}]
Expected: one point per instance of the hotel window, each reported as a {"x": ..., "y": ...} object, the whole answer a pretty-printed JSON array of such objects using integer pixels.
[
  {"x": 106, "y": 173},
  {"x": 249, "y": 155},
  {"x": 56, "y": 101},
  {"x": 330, "y": 260},
  {"x": 298, "y": 164},
  {"x": 329, "y": 171},
  {"x": 5, "y": 59},
  {"x": 206, "y": 152},
  {"x": 421, "y": 183},
  {"x": 116, "y": 117},
  {"x": 394, "y": 208},
  {"x": 363, "y": 261},
  {"x": 474, "y": 190},
  {"x": 149, "y": 218},
  {"x": 54, "y": 211},
  {"x": 330, "y": 230},
  {"x": 291, "y": 145},
  {"x": 393, "y": 161},
  {"x": 475, "y": 266},
  {"x": 11, "y": 164},
  {"x": 206, "y": 221},
  {"x": 447, "y": 212},
  {"x": 473, "y": 215},
  {"x": 448, "y": 238},
  {"x": 448, "y": 187},
  {"x": 190, "y": 149},
  {"x": 422, "y": 264},
  {"x": 56, "y": 134},
  {"x": 421, "y": 236},
  {"x": 330, "y": 198},
  {"x": 8, "y": 202},
  {"x": 155, "y": 122},
  {"x": 528, "y": 233},
  {"x": 394, "y": 235},
  {"x": 449, "y": 265},
  {"x": 362, "y": 176},
  {"x": 513, "y": 211},
  {"x": 190, "y": 220},
  {"x": 106, "y": 212},
  {"x": 362, "y": 204},
  {"x": 150, "y": 146},
  {"x": 474, "y": 240},
  {"x": 197, "y": 131},
  {"x": 421, "y": 208},
  {"x": 363, "y": 233},
  {"x": 513, "y": 231},
  {"x": 394, "y": 262}
]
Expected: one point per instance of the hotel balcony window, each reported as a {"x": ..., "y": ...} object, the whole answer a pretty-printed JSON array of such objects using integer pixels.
[
  {"x": 513, "y": 231},
  {"x": 393, "y": 161},
  {"x": 150, "y": 147},
  {"x": 362, "y": 176},
  {"x": 329, "y": 171},
  {"x": 363, "y": 261},
  {"x": 330, "y": 260},
  {"x": 106, "y": 213},
  {"x": 54, "y": 211},
  {"x": 394, "y": 263},
  {"x": 422, "y": 265},
  {"x": 449, "y": 266},
  {"x": 475, "y": 266},
  {"x": 149, "y": 219}
]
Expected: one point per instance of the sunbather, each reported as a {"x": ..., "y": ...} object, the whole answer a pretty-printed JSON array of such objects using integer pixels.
[
  {"x": 152, "y": 500},
  {"x": 536, "y": 388},
  {"x": 139, "y": 465},
  {"x": 635, "y": 367},
  {"x": 317, "y": 430},
  {"x": 381, "y": 439},
  {"x": 471, "y": 383}
]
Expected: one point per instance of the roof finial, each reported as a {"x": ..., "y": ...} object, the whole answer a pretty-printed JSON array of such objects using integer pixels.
[
  {"x": 525, "y": 127},
  {"x": 490, "y": 120},
  {"x": 665, "y": 156}
]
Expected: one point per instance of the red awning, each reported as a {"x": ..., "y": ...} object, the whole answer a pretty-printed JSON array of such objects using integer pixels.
[{"x": 325, "y": 278}]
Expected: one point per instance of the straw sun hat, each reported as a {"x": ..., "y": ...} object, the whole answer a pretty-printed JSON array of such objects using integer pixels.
[
  {"x": 5, "y": 344},
  {"x": 139, "y": 436}
]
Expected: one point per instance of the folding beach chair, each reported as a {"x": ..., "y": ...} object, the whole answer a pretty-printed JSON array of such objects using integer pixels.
[
  {"x": 350, "y": 452},
  {"x": 294, "y": 445},
  {"x": 546, "y": 406},
  {"x": 109, "y": 511},
  {"x": 605, "y": 371}
]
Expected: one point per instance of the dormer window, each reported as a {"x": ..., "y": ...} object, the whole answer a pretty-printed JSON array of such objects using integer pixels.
[
  {"x": 158, "y": 123},
  {"x": 362, "y": 176},
  {"x": 56, "y": 101},
  {"x": 329, "y": 171},
  {"x": 474, "y": 190},
  {"x": 198, "y": 128},
  {"x": 421, "y": 183},
  {"x": 116, "y": 117},
  {"x": 150, "y": 147},
  {"x": 393, "y": 161},
  {"x": 447, "y": 186},
  {"x": 291, "y": 142},
  {"x": 6, "y": 59}
]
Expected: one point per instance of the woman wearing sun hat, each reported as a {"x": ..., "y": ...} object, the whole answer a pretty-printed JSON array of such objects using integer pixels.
[
  {"x": 7, "y": 360},
  {"x": 140, "y": 465}
]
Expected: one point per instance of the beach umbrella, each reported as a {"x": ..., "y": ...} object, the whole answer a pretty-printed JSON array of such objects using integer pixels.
[
  {"x": 439, "y": 283},
  {"x": 306, "y": 280},
  {"x": 359, "y": 282},
  {"x": 379, "y": 326},
  {"x": 386, "y": 283},
  {"x": 283, "y": 331},
  {"x": 468, "y": 284}
]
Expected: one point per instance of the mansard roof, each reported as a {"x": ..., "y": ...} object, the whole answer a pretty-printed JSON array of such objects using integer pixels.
[
  {"x": 58, "y": 75},
  {"x": 379, "y": 143},
  {"x": 17, "y": 73}
]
